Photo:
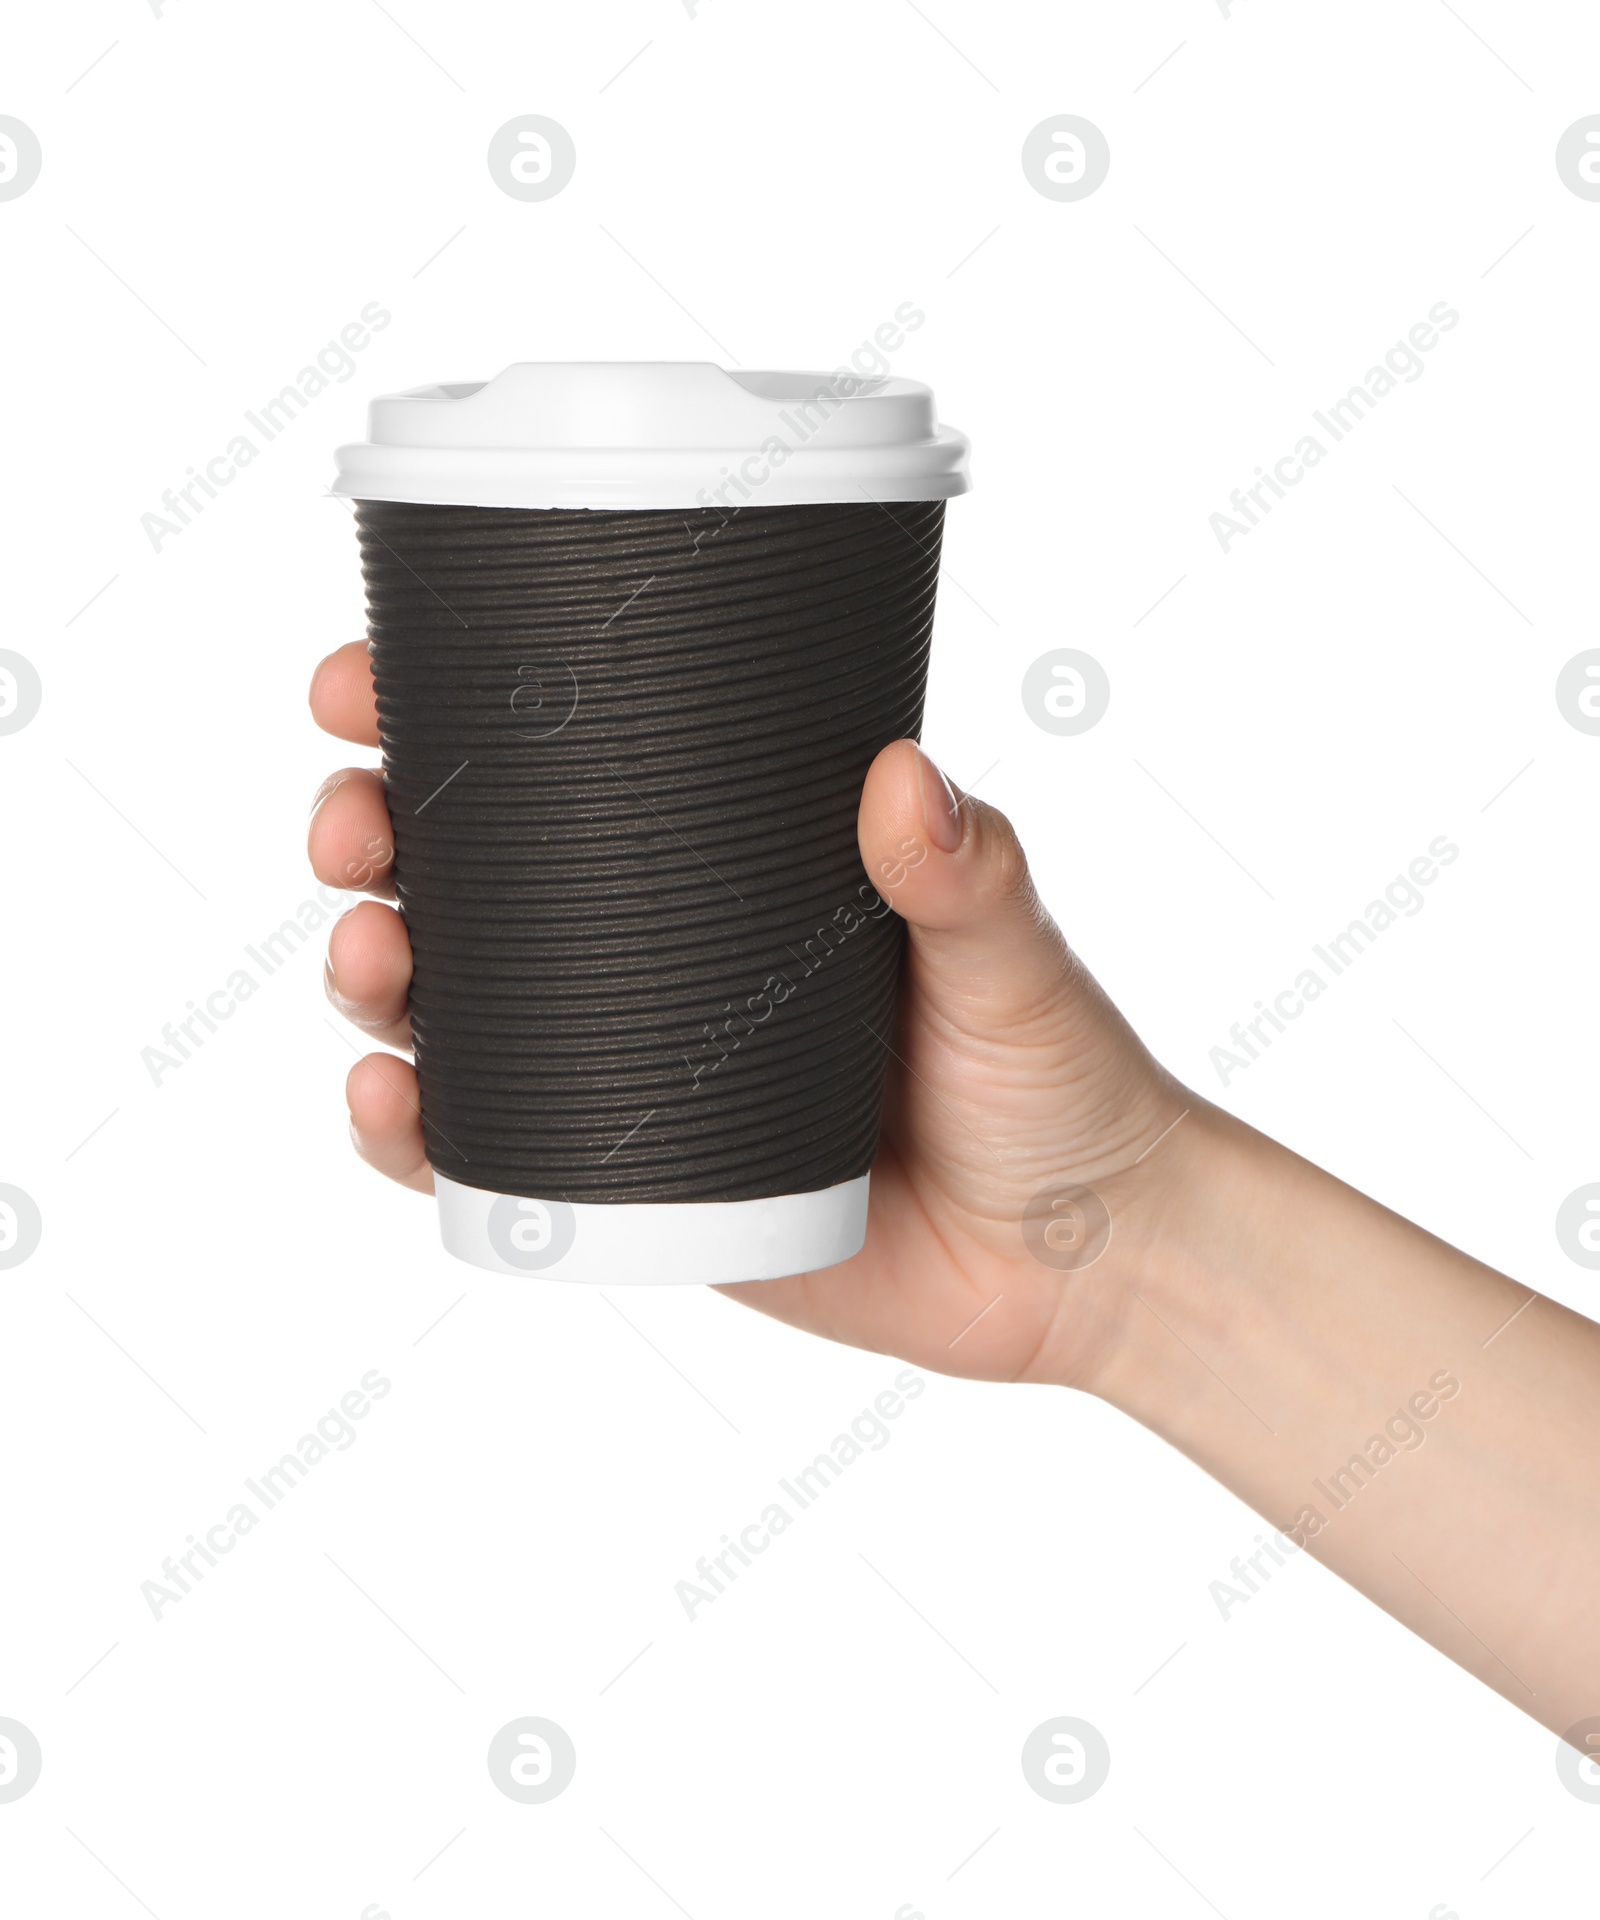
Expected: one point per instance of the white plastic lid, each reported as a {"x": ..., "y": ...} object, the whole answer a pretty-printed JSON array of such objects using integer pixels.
[{"x": 642, "y": 433}]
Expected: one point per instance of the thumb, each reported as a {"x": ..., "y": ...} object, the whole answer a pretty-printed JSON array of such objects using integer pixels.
[{"x": 955, "y": 872}]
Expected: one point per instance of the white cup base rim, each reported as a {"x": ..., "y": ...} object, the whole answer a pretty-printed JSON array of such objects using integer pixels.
[{"x": 653, "y": 1243}]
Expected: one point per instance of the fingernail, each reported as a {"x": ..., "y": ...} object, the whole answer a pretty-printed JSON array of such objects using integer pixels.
[
  {"x": 941, "y": 812},
  {"x": 329, "y": 787},
  {"x": 353, "y": 1011}
]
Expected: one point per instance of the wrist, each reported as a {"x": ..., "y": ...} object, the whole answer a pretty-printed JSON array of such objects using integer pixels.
[
  {"x": 1266, "y": 1316},
  {"x": 1192, "y": 1262}
]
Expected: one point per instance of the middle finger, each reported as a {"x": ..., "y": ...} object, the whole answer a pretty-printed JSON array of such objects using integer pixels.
[
  {"x": 369, "y": 972},
  {"x": 349, "y": 839}
]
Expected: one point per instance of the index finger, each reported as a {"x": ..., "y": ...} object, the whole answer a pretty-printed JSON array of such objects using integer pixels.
[{"x": 343, "y": 701}]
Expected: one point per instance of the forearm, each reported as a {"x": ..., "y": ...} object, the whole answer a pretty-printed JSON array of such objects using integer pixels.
[{"x": 1416, "y": 1421}]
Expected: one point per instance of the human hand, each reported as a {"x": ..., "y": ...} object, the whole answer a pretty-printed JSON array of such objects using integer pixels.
[{"x": 1011, "y": 1076}]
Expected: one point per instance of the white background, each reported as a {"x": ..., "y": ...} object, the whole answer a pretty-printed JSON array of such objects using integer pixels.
[{"x": 1288, "y": 195}]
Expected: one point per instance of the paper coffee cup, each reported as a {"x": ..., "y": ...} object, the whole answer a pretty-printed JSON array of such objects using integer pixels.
[{"x": 638, "y": 631}]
